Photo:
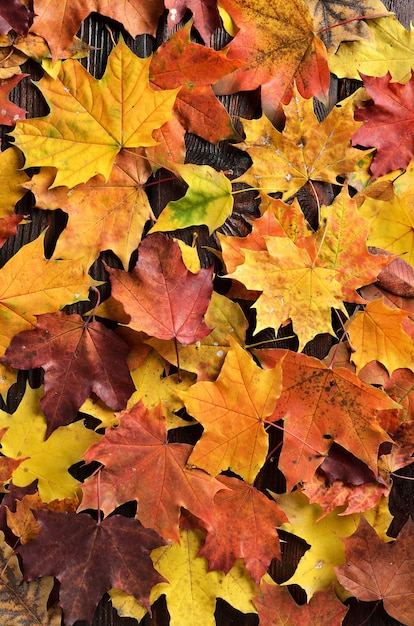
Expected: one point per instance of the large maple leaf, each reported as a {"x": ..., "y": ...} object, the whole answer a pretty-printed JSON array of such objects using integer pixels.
[
  {"x": 89, "y": 558},
  {"x": 194, "y": 68},
  {"x": 58, "y": 22},
  {"x": 319, "y": 406},
  {"x": 276, "y": 606},
  {"x": 92, "y": 120},
  {"x": 163, "y": 298},
  {"x": 376, "y": 570},
  {"x": 302, "y": 280},
  {"x": 305, "y": 150},
  {"x": 102, "y": 215},
  {"x": 78, "y": 358},
  {"x": 44, "y": 460},
  {"x": 245, "y": 522},
  {"x": 157, "y": 474},
  {"x": 388, "y": 123},
  {"x": 233, "y": 410},
  {"x": 277, "y": 42}
]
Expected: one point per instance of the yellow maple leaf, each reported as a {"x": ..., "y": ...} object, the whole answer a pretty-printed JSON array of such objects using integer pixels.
[
  {"x": 233, "y": 410},
  {"x": 11, "y": 180},
  {"x": 102, "y": 215},
  {"x": 391, "y": 49},
  {"x": 46, "y": 460},
  {"x": 305, "y": 150},
  {"x": 377, "y": 335},
  {"x": 91, "y": 120}
]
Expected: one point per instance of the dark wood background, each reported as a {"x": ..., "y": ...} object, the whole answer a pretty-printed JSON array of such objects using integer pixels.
[{"x": 95, "y": 32}]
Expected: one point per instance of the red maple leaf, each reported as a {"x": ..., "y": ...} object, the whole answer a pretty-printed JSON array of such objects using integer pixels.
[
  {"x": 78, "y": 357},
  {"x": 205, "y": 14},
  {"x": 10, "y": 113},
  {"x": 89, "y": 558},
  {"x": 140, "y": 463},
  {"x": 163, "y": 298},
  {"x": 15, "y": 16},
  {"x": 245, "y": 524},
  {"x": 389, "y": 123}
]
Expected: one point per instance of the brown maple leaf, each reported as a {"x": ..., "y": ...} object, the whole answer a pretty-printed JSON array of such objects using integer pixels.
[
  {"x": 162, "y": 297},
  {"x": 376, "y": 570},
  {"x": 156, "y": 470},
  {"x": 88, "y": 559},
  {"x": 78, "y": 357}
]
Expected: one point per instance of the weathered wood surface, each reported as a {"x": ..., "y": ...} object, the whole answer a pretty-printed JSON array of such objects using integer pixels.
[{"x": 96, "y": 32}]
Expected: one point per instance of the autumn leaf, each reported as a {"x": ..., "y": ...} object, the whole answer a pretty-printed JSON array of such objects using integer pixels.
[
  {"x": 233, "y": 410},
  {"x": 337, "y": 20},
  {"x": 78, "y": 358},
  {"x": 377, "y": 334},
  {"x": 389, "y": 49},
  {"x": 48, "y": 285},
  {"x": 319, "y": 406},
  {"x": 139, "y": 446},
  {"x": 205, "y": 14},
  {"x": 113, "y": 553},
  {"x": 388, "y": 123},
  {"x": 102, "y": 215},
  {"x": 58, "y": 23},
  {"x": 24, "y": 604},
  {"x": 11, "y": 180},
  {"x": 245, "y": 522},
  {"x": 161, "y": 296},
  {"x": 208, "y": 200},
  {"x": 192, "y": 590},
  {"x": 315, "y": 570},
  {"x": 277, "y": 43},
  {"x": 46, "y": 460},
  {"x": 15, "y": 16},
  {"x": 118, "y": 111},
  {"x": 376, "y": 570},
  {"x": 276, "y": 607},
  {"x": 205, "y": 358},
  {"x": 181, "y": 63},
  {"x": 305, "y": 150},
  {"x": 10, "y": 113}
]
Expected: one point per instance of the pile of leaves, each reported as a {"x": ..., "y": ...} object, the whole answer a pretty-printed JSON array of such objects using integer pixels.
[{"x": 289, "y": 349}]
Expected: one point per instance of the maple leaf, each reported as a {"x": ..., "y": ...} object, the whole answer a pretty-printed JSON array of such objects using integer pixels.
[
  {"x": 205, "y": 14},
  {"x": 161, "y": 296},
  {"x": 10, "y": 113},
  {"x": 24, "y": 604},
  {"x": 48, "y": 285},
  {"x": 14, "y": 16},
  {"x": 205, "y": 358},
  {"x": 139, "y": 446},
  {"x": 315, "y": 570},
  {"x": 192, "y": 590},
  {"x": 78, "y": 358},
  {"x": 244, "y": 526},
  {"x": 58, "y": 23},
  {"x": 337, "y": 20},
  {"x": 73, "y": 547},
  {"x": 276, "y": 606},
  {"x": 376, "y": 570},
  {"x": 233, "y": 410},
  {"x": 392, "y": 224},
  {"x": 305, "y": 150},
  {"x": 44, "y": 460},
  {"x": 278, "y": 45},
  {"x": 377, "y": 334},
  {"x": 303, "y": 280},
  {"x": 208, "y": 200},
  {"x": 320, "y": 406},
  {"x": 389, "y": 49},
  {"x": 193, "y": 68},
  {"x": 388, "y": 123},
  {"x": 102, "y": 215},
  {"x": 92, "y": 120}
]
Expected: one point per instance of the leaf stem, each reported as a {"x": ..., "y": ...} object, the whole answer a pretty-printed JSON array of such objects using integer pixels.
[
  {"x": 178, "y": 360},
  {"x": 354, "y": 19},
  {"x": 259, "y": 343},
  {"x": 294, "y": 436}
]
